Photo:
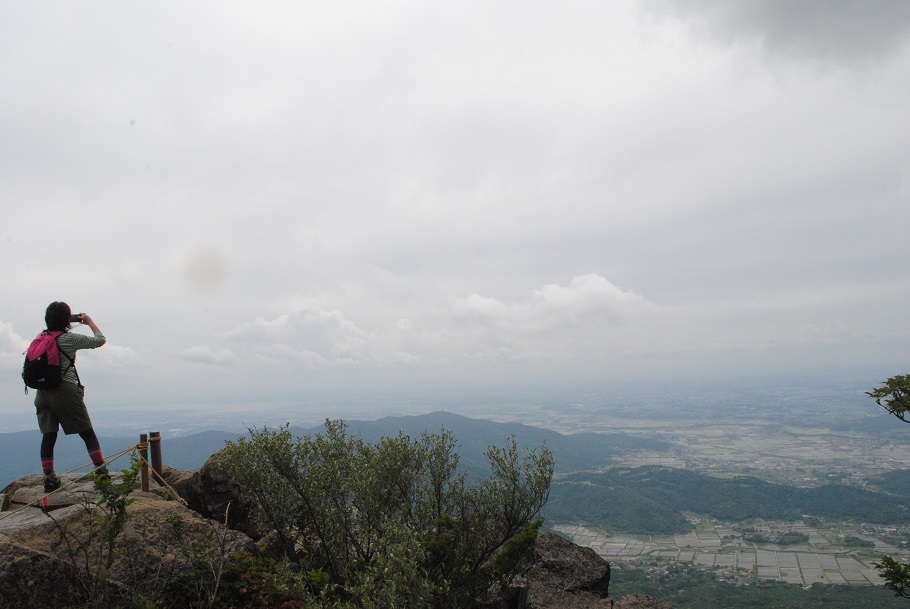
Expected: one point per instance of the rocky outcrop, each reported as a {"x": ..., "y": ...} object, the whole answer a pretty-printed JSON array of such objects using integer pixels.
[
  {"x": 29, "y": 578},
  {"x": 211, "y": 492},
  {"x": 43, "y": 552},
  {"x": 567, "y": 576}
]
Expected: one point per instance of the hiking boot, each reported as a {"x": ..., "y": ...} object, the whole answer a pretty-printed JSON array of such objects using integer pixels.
[
  {"x": 51, "y": 482},
  {"x": 102, "y": 472}
]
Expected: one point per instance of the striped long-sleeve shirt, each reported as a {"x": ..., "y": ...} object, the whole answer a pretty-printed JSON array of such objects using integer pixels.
[{"x": 69, "y": 343}]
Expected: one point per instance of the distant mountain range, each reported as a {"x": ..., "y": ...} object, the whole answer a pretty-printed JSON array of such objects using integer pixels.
[
  {"x": 573, "y": 452},
  {"x": 588, "y": 490}
]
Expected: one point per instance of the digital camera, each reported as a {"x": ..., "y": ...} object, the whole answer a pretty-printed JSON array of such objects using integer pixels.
[{"x": 76, "y": 318}]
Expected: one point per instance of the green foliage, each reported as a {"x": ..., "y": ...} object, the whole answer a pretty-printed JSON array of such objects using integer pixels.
[
  {"x": 394, "y": 523},
  {"x": 896, "y": 576},
  {"x": 111, "y": 516},
  {"x": 198, "y": 577},
  {"x": 852, "y": 541},
  {"x": 133, "y": 602},
  {"x": 260, "y": 581},
  {"x": 614, "y": 504},
  {"x": 894, "y": 396},
  {"x": 92, "y": 548},
  {"x": 896, "y": 482}
]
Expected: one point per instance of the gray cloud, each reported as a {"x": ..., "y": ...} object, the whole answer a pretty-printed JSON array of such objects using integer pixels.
[{"x": 826, "y": 31}]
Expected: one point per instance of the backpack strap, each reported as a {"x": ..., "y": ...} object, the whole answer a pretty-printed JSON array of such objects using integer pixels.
[{"x": 72, "y": 361}]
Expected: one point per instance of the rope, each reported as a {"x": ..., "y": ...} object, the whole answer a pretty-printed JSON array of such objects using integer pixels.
[
  {"x": 136, "y": 447},
  {"x": 43, "y": 504},
  {"x": 163, "y": 482}
]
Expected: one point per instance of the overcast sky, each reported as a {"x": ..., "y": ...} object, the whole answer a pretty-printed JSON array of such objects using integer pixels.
[{"x": 257, "y": 201}]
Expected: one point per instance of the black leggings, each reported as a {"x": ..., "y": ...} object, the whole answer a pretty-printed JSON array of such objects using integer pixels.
[{"x": 50, "y": 439}]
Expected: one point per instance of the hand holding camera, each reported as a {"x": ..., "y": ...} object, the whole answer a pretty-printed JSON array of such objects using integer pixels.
[{"x": 83, "y": 318}]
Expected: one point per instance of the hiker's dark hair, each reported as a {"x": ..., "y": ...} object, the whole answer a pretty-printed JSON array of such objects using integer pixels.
[{"x": 57, "y": 317}]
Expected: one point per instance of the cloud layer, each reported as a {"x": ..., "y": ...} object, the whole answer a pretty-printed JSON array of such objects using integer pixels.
[{"x": 298, "y": 195}]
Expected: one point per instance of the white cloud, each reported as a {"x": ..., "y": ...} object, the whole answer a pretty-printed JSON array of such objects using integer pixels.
[
  {"x": 12, "y": 348},
  {"x": 117, "y": 356},
  {"x": 10, "y": 340},
  {"x": 204, "y": 355},
  {"x": 260, "y": 327},
  {"x": 586, "y": 304},
  {"x": 312, "y": 336},
  {"x": 472, "y": 328}
]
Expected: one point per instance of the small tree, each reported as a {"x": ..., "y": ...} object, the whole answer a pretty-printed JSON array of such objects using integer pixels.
[
  {"x": 896, "y": 576},
  {"x": 894, "y": 396},
  {"x": 394, "y": 523}
]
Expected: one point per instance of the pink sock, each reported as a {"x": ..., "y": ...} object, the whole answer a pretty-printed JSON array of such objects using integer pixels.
[
  {"x": 47, "y": 465},
  {"x": 96, "y": 458}
]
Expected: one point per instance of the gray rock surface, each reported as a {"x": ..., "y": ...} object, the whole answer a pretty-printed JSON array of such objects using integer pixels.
[
  {"x": 212, "y": 492},
  {"x": 34, "y": 579},
  {"x": 567, "y": 576},
  {"x": 44, "y": 555}
]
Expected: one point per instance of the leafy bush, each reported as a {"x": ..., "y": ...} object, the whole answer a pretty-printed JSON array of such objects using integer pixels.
[
  {"x": 394, "y": 524},
  {"x": 92, "y": 547},
  {"x": 258, "y": 581}
]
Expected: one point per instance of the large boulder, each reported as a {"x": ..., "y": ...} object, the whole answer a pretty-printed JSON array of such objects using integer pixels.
[
  {"x": 567, "y": 576},
  {"x": 213, "y": 493}
]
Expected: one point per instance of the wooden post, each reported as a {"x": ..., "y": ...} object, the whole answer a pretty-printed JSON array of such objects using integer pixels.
[
  {"x": 155, "y": 440},
  {"x": 144, "y": 453}
]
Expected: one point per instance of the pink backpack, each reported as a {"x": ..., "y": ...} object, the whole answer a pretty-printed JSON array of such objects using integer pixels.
[{"x": 41, "y": 369}]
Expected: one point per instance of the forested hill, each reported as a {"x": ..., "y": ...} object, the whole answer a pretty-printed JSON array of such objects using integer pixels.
[
  {"x": 575, "y": 452},
  {"x": 895, "y": 482},
  {"x": 652, "y": 500}
]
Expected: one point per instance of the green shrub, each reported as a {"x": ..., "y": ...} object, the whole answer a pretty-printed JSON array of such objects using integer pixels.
[{"x": 394, "y": 523}]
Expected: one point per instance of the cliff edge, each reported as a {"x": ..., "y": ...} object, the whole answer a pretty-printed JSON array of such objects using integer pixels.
[{"x": 52, "y": 549}]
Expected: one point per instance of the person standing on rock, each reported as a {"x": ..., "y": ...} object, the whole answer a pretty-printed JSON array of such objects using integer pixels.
[{"x": 64, "y": 406}]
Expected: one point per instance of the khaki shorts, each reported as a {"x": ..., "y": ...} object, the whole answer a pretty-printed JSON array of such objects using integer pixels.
[{"x": 62, "y": 407}]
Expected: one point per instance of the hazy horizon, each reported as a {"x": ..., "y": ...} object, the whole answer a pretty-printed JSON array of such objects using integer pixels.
[{"x": 812, "y": 397}]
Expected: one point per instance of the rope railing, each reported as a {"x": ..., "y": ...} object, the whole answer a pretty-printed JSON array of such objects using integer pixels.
[
  {"x": 141, "y": 454},
  {"x": 161, "y": 480}
]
